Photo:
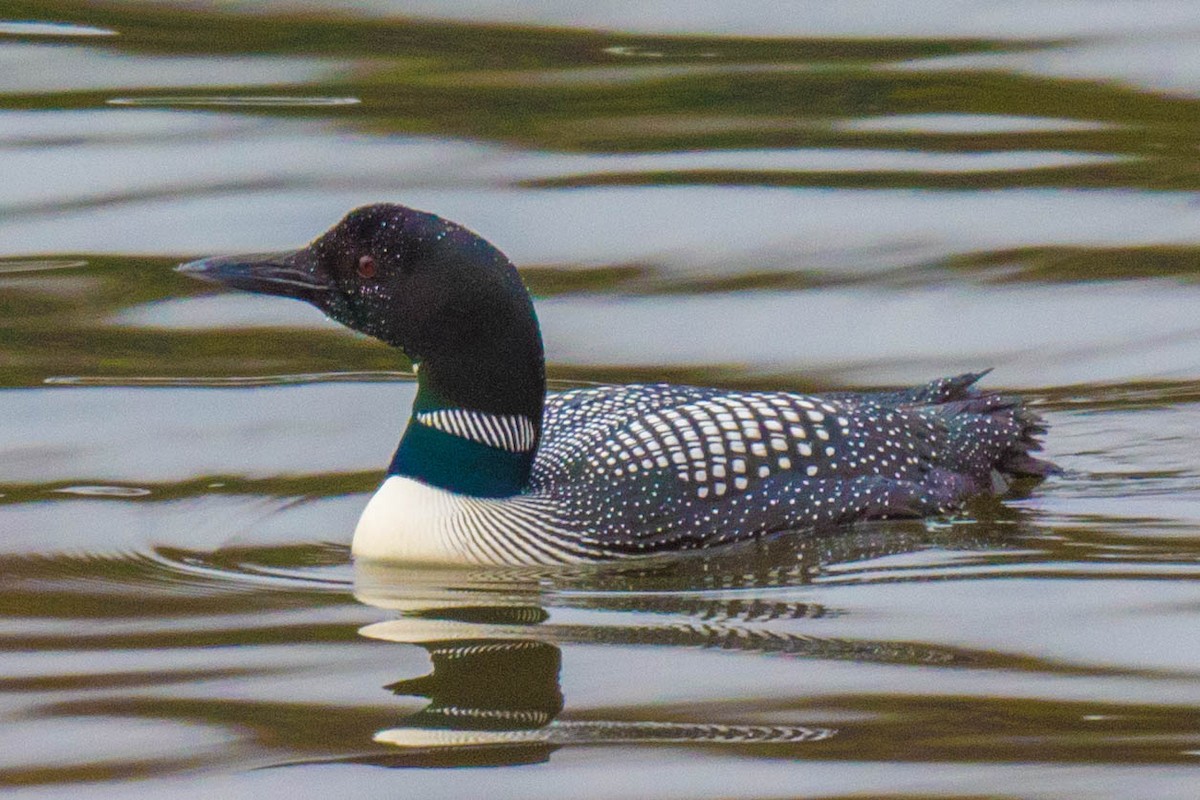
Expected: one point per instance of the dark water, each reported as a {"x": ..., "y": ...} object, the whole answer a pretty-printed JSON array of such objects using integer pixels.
[{"x": 806, "y": 195}]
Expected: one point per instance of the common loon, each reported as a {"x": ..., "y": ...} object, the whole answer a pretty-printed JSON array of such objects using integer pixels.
[{"x": 491, "y": 470}]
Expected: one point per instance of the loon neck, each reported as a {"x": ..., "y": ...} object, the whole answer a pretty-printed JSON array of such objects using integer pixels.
[{"x": 477, "y": 417}]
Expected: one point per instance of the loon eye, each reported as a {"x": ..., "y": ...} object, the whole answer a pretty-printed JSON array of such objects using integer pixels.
[{"x": 366, "y": 267}]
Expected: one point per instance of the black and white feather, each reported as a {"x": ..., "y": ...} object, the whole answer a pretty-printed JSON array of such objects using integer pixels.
[
  {"x": 636, "y": 469},
  {"x": 511, "y": 432}
]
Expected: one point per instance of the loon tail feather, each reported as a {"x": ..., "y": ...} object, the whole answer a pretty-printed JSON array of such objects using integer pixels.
[
  {"x": 992, "y": 435},
  {"x": 943, "y": 390},
  {"x": 977, "y": 415},
  {"x": 962, "y": 385},
  {"x": 1017, "y": 460}
]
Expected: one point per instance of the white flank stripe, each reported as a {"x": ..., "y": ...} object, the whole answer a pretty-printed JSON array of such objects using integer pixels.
[
  {"x": 461, "y": 424},
  {"x": 491, "y": 435},
  {"x": 515, "y": 433},
  {"x": 508, "y": 541},
  {"x": 511, "y": 440},
  {"x": 456, "y": 424},
  {"x": 510, "y": 432},
  {"x": 486, "y": 535}
]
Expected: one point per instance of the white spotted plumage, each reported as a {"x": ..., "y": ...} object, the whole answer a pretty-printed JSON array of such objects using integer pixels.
[{"x": 627, "y": 470}]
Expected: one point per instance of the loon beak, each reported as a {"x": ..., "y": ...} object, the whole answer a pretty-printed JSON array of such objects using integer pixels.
[{"x": 289, "y": 274}]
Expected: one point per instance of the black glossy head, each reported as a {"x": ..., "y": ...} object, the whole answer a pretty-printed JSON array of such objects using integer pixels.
[{"x": 449, "y": 299}]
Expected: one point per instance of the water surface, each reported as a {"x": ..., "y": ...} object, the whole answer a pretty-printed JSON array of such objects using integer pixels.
[{"x": 817, "y": 197}]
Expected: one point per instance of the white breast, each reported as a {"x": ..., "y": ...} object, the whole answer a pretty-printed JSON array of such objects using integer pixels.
[
  {"x": 407, "y": 520},
  {"x": 410, "y": 521}
]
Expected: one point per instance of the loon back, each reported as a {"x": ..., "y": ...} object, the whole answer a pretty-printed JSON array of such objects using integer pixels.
[{"x": 491, "y": 470}]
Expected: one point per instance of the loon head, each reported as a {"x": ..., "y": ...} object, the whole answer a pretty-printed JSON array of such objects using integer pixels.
[
  {"x": 446, "y": 297},
  {"x": 409, "y": 278}
]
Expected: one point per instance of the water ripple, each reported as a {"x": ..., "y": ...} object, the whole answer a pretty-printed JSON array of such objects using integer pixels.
[
  {"x": 51, "y": 29},
  {"x": 103, "y": 491},
  {"x": 362, "y": 376},
  {"x": 567, "y": 732},
  {"x": 275, "y": 101},
  {"x": 40, "y": 265}
]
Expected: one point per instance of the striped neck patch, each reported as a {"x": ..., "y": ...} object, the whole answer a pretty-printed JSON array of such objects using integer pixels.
[{"x": 512, "y": 432}]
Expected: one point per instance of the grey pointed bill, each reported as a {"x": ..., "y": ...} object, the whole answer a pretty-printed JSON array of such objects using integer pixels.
[{"x": 288, "y": 274}]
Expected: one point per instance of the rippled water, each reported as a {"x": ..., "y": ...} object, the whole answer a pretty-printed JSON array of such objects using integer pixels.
[{"x": 804, "y": 195}]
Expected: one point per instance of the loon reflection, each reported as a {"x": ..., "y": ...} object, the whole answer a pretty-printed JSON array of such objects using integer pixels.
[{"x": 494, "y": 637}]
